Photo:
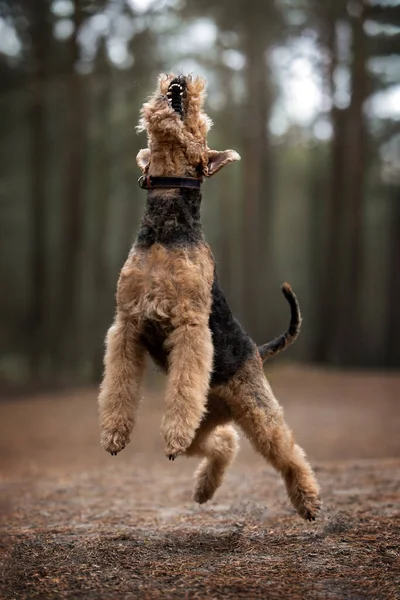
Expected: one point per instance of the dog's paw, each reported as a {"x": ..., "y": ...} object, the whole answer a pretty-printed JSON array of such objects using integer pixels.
[
  {"x": 113, "y": 441},
  {"x": 177, "y": 446},
  {"x": 310, "y": 507},
  {"x": 172, "y": 451},
  {"x": 177, "y": 439},
  {"x": 204, "y": 491}
]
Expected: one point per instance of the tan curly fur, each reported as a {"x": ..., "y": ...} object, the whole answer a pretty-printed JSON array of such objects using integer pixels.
[
  {"x": 171, "y": 286},
  {"x": 175, "y": 147},
  {"x": 120, "y": 391},
  {"x": 255, "y": 409},
  {"x": 219, "y": 446}
]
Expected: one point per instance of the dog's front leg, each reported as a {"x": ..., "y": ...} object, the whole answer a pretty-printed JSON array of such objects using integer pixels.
[
  {"x": 120, "y": 391},
  {"x": 190, "y": 366}
]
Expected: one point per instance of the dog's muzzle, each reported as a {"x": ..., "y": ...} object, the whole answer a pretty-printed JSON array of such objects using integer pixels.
[{"x": 176, "y": 94}]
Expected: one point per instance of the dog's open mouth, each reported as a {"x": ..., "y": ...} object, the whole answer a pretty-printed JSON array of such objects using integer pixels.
[{"x": 176, "y": 94}]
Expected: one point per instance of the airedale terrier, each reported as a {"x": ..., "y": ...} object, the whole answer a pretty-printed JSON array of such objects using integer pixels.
[{"x": 170, "y": 305}]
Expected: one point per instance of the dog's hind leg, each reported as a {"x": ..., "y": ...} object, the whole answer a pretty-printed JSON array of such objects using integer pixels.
[
  {"x": 190, "y": 365},
  {"x": 256, "y": 410},
  {"x": 219, "y": 448},
  {"x": 218, "y": 444},
  {"x": 120, "y": 391}
]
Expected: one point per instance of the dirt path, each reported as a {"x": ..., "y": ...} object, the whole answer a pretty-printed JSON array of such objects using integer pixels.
[{"x": 77, "y": 523}]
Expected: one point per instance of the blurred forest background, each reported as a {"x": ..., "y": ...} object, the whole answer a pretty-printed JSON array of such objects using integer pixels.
[{"x": 307, "y": 91}]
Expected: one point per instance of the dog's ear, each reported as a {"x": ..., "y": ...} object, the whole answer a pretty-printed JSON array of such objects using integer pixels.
[
  {"x": 217, "y": 160},
  {"x": 143, "y": 160}
]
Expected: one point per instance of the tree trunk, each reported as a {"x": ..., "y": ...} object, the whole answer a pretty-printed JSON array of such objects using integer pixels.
[
  {"x": 40, "y": 35},
  {"x": 224, "y": 198},
  {"x": 393, "y": 288},
  {"x": 329, "y": 313},
  {"x": 257, "y": 186},
  {"x": 350, "y": 301},
  {"x": 340, "y": 301},
  {"x": 101, "y": 273},
  {"x": 328, "y": 316},
  {"x": 73, "y": 211}
]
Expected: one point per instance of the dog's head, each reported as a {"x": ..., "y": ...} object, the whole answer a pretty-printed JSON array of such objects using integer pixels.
[{"x": 177, "y": 128}]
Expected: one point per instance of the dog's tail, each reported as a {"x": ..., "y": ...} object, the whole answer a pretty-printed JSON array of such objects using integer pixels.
[{"x": 283, "y": 341}]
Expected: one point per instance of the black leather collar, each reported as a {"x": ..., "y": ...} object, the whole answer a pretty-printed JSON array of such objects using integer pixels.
[{"x": 150, "y": 183}]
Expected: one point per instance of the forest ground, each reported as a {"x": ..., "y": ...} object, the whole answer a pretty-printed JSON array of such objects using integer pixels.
[{"x": 78, "y": 523}]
